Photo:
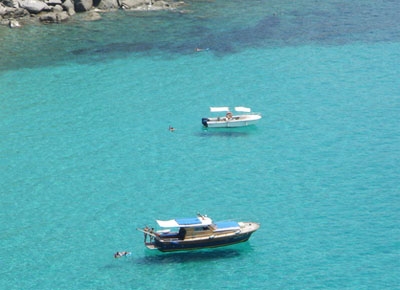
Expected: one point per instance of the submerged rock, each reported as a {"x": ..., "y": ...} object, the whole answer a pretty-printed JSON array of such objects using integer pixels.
[{"x": 92, "y": 16}]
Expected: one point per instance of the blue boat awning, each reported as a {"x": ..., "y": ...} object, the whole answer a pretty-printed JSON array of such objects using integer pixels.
[{"x": 185, "y": 222}]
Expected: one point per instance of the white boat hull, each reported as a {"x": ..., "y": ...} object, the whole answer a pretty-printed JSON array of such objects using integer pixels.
[{"x": 235, "y": 121}]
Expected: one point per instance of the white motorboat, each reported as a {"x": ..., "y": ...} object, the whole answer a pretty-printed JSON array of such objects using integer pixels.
[{"x": 230, "y": 120}]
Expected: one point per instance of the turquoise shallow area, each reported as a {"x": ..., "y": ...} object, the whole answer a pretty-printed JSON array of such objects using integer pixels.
[{"x": 86, "y": 154}]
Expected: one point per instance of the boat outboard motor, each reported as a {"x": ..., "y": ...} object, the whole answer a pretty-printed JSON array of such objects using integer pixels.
[{"x": 204, "y": 121}]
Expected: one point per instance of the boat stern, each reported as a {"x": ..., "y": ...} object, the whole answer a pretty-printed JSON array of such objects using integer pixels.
[
  {"x": 150, "y": 245},
  {"x": 204, "y": 122}
]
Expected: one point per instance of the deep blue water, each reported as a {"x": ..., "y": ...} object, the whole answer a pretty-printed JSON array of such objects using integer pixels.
[{"x": 86, "y": 155}]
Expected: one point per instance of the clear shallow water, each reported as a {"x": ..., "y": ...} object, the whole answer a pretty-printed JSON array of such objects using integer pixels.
[{"x": 87, "y": 156}]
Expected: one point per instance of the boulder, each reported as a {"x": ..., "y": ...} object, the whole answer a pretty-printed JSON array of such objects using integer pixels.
[
  {"x": 14, "y": 13},
  {"x": 83, "y": 5},
  {"x": 69, "y": 7},
  {"x": 14, "y": 24},
  {"x": 10, "y": 3},
  {"x": 162, "y": 4},
  {"x": 53, "y": 2},
  {"x": 131, "y": 4},
  {"x": 150, "y": 4},
  {"x": 34, "y": 6},
  {"x": 2, "y": 10},
  {"x": 58, "y": 8},
  {"x": 54, "y": 17},
  {"x": 108, "y": 4}
]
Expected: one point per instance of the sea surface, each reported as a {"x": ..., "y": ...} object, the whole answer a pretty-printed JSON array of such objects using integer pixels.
[{"x": 86, "y": 156}]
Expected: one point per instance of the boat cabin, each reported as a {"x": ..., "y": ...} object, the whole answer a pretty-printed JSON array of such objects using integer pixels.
[{"x": 193, "y": 229}]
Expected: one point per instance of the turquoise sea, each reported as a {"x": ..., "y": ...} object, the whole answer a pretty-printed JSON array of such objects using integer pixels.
[{"x": 87, "y": 157}]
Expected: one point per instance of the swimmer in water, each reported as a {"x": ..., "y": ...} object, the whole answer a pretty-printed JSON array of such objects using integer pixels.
[{"x": 121, "y": 254}]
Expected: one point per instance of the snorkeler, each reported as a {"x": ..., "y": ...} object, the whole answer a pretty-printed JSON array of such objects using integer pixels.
[{"x": 121, "y": 254}]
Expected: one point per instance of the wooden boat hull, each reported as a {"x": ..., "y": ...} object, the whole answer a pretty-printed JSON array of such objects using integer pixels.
[
  {"x": 182, "y": 245},
  {"x": 200, "y": 232},
  {"x": 207, "y": 239}
]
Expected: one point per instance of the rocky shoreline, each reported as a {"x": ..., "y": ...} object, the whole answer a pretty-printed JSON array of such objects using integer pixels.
[{"x": 16, "y": 13}]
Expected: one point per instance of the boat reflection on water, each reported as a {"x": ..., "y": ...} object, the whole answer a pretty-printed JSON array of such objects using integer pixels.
[
  {"x": 227, "y": 132},
  {"x": 192, "y": 256}
]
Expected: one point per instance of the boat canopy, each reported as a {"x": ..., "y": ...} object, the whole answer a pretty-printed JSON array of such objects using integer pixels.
[
  {"x": 219, "y": 109},
  {"x": 242, "y": 109},
  {"x": 226, "y": 109},
  {"x": 185, "y": 222}
]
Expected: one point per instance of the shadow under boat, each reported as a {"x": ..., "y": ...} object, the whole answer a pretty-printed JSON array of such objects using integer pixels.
[
  {"x": 227, "y": 132},
  {"x": 190, "y": 256}
]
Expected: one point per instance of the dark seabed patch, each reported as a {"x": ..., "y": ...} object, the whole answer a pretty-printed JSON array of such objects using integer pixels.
[{"x": 168, "y": 34}]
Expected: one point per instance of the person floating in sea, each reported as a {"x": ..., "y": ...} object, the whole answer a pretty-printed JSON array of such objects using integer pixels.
[
  {"x": 171, "y": 129},
  {"x": 121, "y": 254}
]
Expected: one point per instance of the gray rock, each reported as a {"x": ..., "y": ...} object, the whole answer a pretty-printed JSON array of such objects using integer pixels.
[
  {"x": 54, "y": 17},
  {"x": 2, "y": 10},
  {"x": 14, "y": 24},
  {"x": 10, "y": 3},
  {"x": 161, "y": 4},
  {"x": 16, "y": 4},
  {"x": 150, "y": 4},
  {"x": 83, "y": 5},
  {"x": 34, "y": 6},
  {"x": 53, "y": 2},
  {"x": 129, "y": 4},
  {"x": 108, "y": 4},
  {"x": 14, "y": 13},
  {"x": 69, "y": 7},
  {"x": 58, "y": 8}
]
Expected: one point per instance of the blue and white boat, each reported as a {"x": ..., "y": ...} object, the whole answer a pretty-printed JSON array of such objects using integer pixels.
[
  {"x": 196, "y": 233},
  {"x": 229, "y": 120}
]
